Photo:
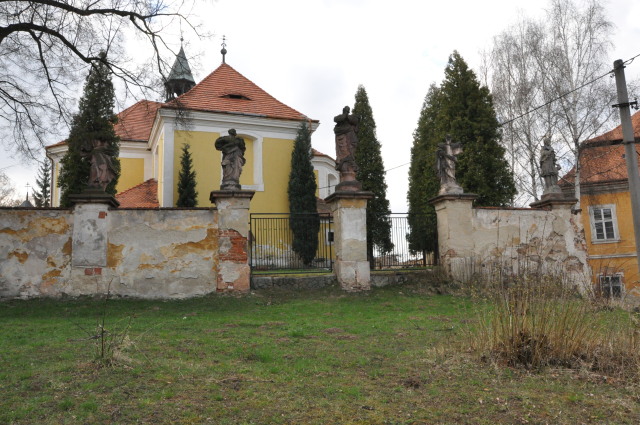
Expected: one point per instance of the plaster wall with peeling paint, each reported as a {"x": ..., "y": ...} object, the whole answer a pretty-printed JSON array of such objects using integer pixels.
[
  {"x": 483, "y": 240},
  {"x": 170, "y": 253}
]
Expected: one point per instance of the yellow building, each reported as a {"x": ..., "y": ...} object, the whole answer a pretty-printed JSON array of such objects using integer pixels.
[
  {"x": 153, "y": 134},
  {"x": 606, "y": 211}
]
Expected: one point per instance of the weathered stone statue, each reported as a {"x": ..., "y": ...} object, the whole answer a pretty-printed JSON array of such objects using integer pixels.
[
  {"x": 346, "y": 143},
  {"x": 446, "y": 166},
  {"x": 549, "y": 168},
  {"x": 232, "y": 148},
  {"x": 102, "y": 171}
]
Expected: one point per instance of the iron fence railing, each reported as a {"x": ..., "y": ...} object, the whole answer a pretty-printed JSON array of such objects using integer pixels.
[
  {"x": 271, "y": 242},
  {"x": 400, "y": 256}
]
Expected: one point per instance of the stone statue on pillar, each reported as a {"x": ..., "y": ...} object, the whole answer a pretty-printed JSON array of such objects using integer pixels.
[
  {"x": 549, "y": 170},
  {"x": 102, "y": 171},
  {"x": 232, "y": 148},
  {"x": 346, "y": 143},
  {"x": 446, "y": 166}
]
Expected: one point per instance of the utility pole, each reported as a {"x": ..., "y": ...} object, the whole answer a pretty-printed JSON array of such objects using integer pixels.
[{"x": 630, "y": 151}]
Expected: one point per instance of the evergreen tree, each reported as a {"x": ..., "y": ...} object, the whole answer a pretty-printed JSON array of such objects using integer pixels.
[
  {"x": 371, "y": 175},
  {"x": 462, "y": 108},
  {"x": 94, "y": 121},
  {"x": 42, "y": 197},
  {"x": 187, "y": 196},
  {"x": 304, "y": 219},
  {"x": 423, "y": 181},
  {"x": 466, "y": 113}
]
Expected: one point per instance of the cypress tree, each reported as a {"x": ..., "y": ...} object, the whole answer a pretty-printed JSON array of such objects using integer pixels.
[
  {"x": 187, "y": 196},
  {"x": 423, "y": 181},
  {"x": 466, "y": 113},
  {"x": 304, "y": 220},
  {"x": 94, "y": 121},
  {"x": 371, "y": 175},
  {"x": 42, "y": 197}
]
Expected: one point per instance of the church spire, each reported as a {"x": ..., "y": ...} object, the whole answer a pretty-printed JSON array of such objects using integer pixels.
[
  {"x": 180, "y": 79},
  {"x": 224, "y": 48}
]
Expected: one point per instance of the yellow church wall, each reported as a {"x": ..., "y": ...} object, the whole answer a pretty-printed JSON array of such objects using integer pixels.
[
  {"x": 276, "y": 160},
  {"x": 206, "y": 162},
  {"x": 624, "y": 246},
  {"x": 131, "y": 173}
]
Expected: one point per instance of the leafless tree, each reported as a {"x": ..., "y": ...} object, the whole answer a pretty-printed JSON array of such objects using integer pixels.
[
  {"x": 46, "y": 47},
  {"x": 7, "y": 191},
  {"x": 533, "y": 65}
]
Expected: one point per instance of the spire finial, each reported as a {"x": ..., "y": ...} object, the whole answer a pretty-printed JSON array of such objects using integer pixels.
[{"x": 224, "y": 50}]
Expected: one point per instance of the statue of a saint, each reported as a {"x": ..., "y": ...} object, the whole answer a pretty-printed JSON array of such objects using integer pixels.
[
  {"x": 232, "y": 148},
  {"x": 101, "y": 172},
  {"x": 446, "y": 166},
  {"x": 548, "y": 168},
  {"x": 346, "y": 143}
]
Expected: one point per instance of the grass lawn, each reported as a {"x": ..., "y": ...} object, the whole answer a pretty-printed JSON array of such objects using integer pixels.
[{"x": 390, "y": 356}]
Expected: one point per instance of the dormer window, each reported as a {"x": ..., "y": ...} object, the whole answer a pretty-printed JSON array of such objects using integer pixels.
[{"x": 235, "y": 96}]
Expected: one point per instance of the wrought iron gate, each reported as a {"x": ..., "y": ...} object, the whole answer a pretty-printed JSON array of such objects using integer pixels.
[{"x": 271, "y": 242}]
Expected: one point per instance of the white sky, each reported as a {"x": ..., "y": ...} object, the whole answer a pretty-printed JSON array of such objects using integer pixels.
[{"x": 313, "y": 54}]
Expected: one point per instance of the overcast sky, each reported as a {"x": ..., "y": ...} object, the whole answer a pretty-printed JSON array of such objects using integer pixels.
[{"x": 313, "y": 54}]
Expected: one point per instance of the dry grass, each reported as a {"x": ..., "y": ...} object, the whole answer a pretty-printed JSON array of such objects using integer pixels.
[{"x": 535, "y": 321}]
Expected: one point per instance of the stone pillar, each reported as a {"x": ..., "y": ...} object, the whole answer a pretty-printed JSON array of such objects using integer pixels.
[
  {"x": 90, "y": 230},
  {"x": 455, "y": 232},
  {"x": 349, "y": 209},
  {"x": 234, "y": 272}
]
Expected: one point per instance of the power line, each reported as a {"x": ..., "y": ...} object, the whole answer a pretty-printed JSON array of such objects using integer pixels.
[{"x": 628, "y": 61}]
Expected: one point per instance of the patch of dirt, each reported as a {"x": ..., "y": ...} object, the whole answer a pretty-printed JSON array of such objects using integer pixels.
[
  {"x": 414, "y": 382},
  {"x": 347, "y": 337},
  {"x": 333, "y": 330}
]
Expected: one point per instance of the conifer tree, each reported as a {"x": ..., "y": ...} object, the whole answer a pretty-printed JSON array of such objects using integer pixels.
[
  {"x": 304, "y": 220},
  {"x": 423, "y": 181},
  {"x": 371, "y": 175},
  {"x": 187, "y": 196},
  {"x": 42, "y": 193},
  {"x": 463, "y": 109},
  {"x": 95, "y": 120},
  {"x": 466, "y": 113}
]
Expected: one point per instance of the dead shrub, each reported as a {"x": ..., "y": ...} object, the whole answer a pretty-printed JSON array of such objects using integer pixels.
[{"x": 535, "y": 320}]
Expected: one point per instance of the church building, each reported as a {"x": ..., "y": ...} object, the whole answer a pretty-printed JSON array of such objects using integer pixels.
[{"x": 152, "y": 135}]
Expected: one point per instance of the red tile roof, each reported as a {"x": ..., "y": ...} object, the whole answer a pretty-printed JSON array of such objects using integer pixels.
[
  {"x": 226, "y": 90},
  {"x": 602, "y": 158},
  {"x": 318, "y": 153},
  {"x": 135, "y": 122},
  {"x": 616, "y": 133},
  {"x": 143, "y": 195}
]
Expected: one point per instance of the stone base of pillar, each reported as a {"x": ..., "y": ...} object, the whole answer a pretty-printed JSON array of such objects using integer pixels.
[
  {"x": 349, "y": 209},
  {"x": 353, "y": 275},
  {"x": 234, "y": 272}
]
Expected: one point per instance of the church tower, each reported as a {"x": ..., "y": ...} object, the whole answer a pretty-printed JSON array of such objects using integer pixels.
[{"x": 180, "y": 79}]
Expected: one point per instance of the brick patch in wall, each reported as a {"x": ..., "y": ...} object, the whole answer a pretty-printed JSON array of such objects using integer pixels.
[
  {"x": 237, "y": 253},
  {"x": 93, "y": 271}
]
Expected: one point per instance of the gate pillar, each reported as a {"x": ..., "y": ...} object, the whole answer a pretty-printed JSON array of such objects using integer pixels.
[
  {"x": 349, "y": 209},
  {"x": 234, "y": 273}
]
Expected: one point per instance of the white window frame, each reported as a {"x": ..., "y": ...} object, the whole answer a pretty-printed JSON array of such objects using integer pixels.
[
  {"x": 614, "y": 221},
  {"x": 603, "y": 278}
]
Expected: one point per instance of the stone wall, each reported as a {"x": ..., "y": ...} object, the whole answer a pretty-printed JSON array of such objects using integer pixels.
[
  {"x": 485, "y": 240},
  {"x": 166, "y": 253}
]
